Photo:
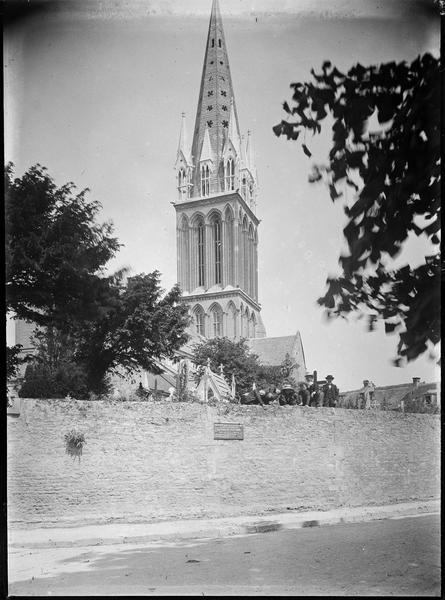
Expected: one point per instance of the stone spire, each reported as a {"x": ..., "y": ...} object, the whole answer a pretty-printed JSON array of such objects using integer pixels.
[
  {"x": 183, "y": 146},
  {"x": 215, "y": 95},
  {"x": 232, "y": 131},
  {"x": 250, "y": 154}
]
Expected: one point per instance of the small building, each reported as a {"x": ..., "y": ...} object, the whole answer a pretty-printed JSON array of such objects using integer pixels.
[
  {"x": 279, "y": 352},
  {"x": 412, "y": 397}
]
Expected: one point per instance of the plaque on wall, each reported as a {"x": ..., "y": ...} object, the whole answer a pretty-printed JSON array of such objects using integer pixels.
[{"x": 228, "y": 431}]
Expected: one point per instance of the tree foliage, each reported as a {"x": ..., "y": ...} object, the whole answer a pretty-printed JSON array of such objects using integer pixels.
[
  {"x": 53, "y": 371},
  {"x": 395, "y": 176},
  {"x": 89, "y": 322},
  {"x": 13, "y": 361},
  {"x": 66, "y": 379},
  {"x": 55, "y": 251},
  {"x": 236, "y": 359},
  {"x": 141, "y": 327}
]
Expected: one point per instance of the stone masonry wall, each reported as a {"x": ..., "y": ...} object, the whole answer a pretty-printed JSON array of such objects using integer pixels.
[{"x": 150, "y": 461}]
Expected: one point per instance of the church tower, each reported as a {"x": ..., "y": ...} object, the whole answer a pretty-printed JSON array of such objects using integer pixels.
[{"x": 216, "y": 222}]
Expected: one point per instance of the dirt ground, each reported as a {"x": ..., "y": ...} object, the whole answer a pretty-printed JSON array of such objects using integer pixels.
[{"x": 389, "y": 557}]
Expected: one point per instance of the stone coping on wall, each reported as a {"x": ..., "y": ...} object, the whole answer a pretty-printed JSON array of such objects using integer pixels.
[{"x": 220, "y": 407}]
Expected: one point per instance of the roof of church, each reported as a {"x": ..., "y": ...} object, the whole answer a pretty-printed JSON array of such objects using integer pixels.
[
  {"x": 272, "y": 350},
  {"x": 216, "y": 91}
]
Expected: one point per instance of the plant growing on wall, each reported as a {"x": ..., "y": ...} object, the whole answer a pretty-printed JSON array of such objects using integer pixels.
[{"x": 74, "y": 441}]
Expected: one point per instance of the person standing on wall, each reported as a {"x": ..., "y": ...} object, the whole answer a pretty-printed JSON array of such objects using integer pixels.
[
  {"x": 330, "y": 392},
  {"x": 367, "y": 394}
]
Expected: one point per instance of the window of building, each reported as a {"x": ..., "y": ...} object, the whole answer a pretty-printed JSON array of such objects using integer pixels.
[
  {"x": 181, "y": 178},
  {"x": 213, "y": 42},
  {"x": 199, "y": 321},
  {"x": 217, "y": 322},
  {"x": 217, "y": 242},
  {"x": 201, "y": 253},
  {"x": 230, "y": 174},
  {"x": 205, "y": 180}
]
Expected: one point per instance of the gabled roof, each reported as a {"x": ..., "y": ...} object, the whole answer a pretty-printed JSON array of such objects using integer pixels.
[
  {"x": 161, "y": 382},
  {"x": 272, "y": 351},
  {"x": 394, "y": 394},
  {"x": 215, "y": 382},
  {"x": 421, "y": 390}
]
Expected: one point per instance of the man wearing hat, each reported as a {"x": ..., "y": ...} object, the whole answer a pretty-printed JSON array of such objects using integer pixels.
[
  {"x": 314, "y": 390},
  {"x": 330, "y": 392},
  {"x": 287, "y": 395},
  {"x": 303, "y": 394}
]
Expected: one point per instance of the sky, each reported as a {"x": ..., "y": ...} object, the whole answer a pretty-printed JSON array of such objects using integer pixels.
[{"x": 94, "y": 91}]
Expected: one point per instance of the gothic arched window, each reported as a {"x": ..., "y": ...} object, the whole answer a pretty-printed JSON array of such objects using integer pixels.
[
  {"x": 228, "y": 245},
  {"x": 217, "y": 321},
  {"x": 247, "y": 323},
  {"x": 230, "y": 174},
  {"x": 205, "y": 180},
  {"x": 200, "y": 320},
  {"x": 253, "y": 328},
  {"x": 231, "y": 321},
  {"x": 201, "y": 253},
  {"x": 182, "y": 181},
  {"x": 217, "y": 249}
]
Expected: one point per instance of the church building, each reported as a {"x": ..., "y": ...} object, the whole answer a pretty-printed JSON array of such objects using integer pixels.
[
  {"x": 216, "y": 218},
  {"x": 217, "y": 230},
  {"x": 216, "y": 221}
]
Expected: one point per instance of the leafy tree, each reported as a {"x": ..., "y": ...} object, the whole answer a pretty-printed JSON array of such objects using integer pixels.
[
  {"x": 395, "y": 175},
  {"x": 53, "y": 371},
  {"x": 89, "y": 323},
  {"x": 66, "y": 379},
  {"x": 236, "y": 359},
  {"x": 13, "y": 361},
  {"x": 55, "y": 251},
  {"x": 140, "y": 328},
  {"x": 274, "y": 376}
]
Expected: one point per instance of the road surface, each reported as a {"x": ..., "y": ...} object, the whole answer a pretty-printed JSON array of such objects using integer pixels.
[{"x": 390, "y": 557}]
